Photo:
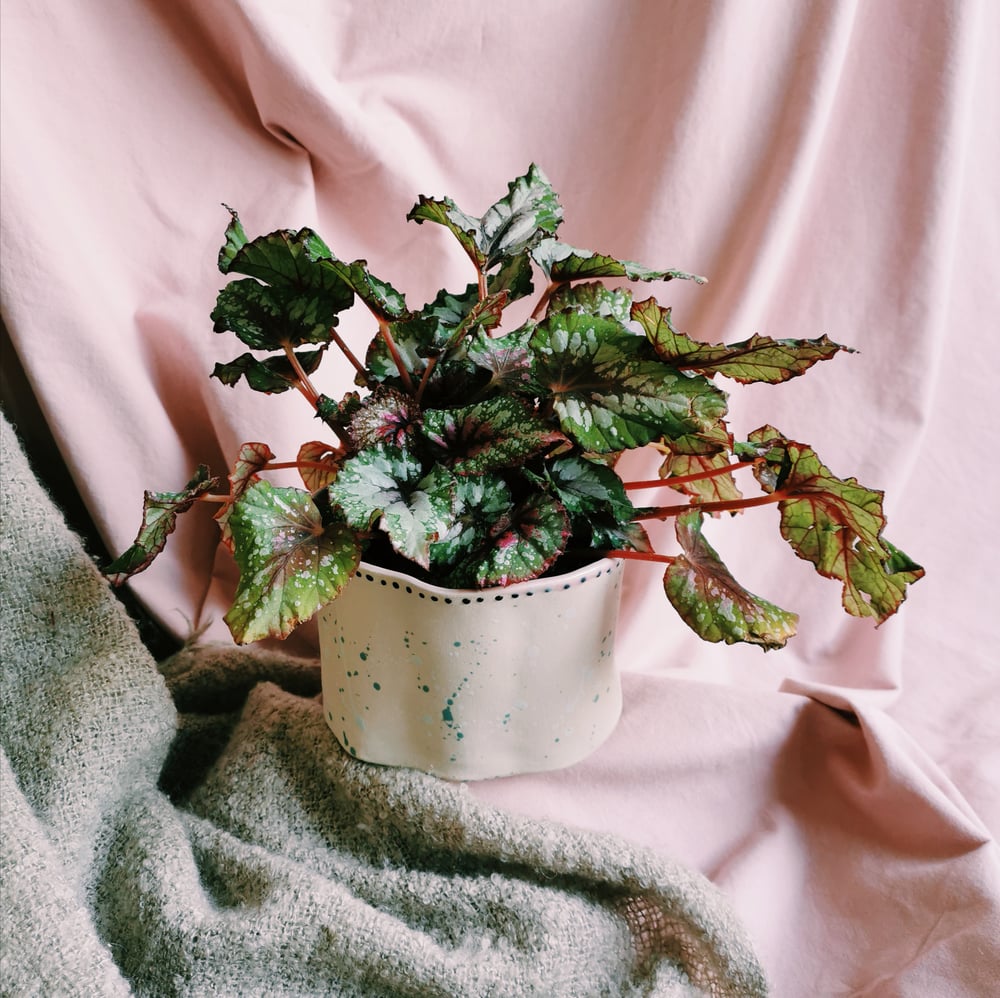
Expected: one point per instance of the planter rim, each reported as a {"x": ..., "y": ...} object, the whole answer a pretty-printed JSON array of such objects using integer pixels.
[{"x": 530, "y": 587}]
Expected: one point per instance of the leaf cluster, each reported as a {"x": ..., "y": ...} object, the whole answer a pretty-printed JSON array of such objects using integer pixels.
[{"x": 481, "y": 456}]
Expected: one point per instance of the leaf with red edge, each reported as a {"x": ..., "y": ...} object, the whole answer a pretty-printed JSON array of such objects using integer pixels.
[
  {"x": 712, "y": 603},
  {"x": 252, "y": 457},
  {"x": 758, "y": 359},
  {"x": 319, "y": 463},
  {"x": 291, "y": 563},
  {"x": 836, "y": 524},
  {"x": 159, "y": 519}
]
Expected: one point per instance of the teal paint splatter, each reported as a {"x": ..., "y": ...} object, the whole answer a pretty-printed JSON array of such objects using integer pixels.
[{"x": 376, "y": 686}]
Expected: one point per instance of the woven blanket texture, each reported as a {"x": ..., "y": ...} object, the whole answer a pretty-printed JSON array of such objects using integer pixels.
[{"x": 195, "y": 829}]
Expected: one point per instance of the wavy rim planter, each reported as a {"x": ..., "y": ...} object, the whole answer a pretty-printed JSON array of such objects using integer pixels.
[{"x": 473, "y": 684}]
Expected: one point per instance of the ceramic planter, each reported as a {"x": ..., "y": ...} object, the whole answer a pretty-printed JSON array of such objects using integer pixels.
[{"x": 471, "y": 684}]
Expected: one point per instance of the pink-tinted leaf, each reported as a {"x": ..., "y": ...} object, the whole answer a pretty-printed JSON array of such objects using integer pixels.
[
  {"x": 714, "y": 488},
  {"x": 712, "y": 603},
  {"x": 326, "y": 456}
]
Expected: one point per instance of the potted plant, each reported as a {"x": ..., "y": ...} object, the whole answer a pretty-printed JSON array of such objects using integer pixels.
[{"x": 474, "y": 472}]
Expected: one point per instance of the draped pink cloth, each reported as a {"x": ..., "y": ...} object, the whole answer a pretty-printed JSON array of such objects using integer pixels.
[{"x": 831, "y": 166}]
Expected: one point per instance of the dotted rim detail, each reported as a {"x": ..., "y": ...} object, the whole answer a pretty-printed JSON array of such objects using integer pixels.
[{"x": 466, "y": 597}]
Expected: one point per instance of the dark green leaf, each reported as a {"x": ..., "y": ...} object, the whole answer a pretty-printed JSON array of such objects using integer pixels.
[
  {"x": 514, "y": 277},
  {"x": 236, "y": 239},
  {"x": 513, "y": 225},
  {"x": 499, "y": 433},
  {"x": 381, "y": 298},
  {"x": 273, "y": 375},
  {"x": 712, "y": 603},
  {"x": 561, "y": 262},
  {"x": 465, "y": 228},
  {"x": 159, "y": 518},
  {"x": 266, "y": 318},
  {"x": 607, "y": 395},
  {"x": 514, "y": 543},
  {"x": 758, "y": 359},
  {"x": 291, "y": 564}
]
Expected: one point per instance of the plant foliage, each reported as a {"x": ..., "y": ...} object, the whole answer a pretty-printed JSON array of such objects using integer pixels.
[{"x": 482, "y": 456}]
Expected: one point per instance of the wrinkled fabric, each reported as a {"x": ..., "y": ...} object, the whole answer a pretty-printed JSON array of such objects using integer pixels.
[
  {"x": 177, "y": 834},
  {"x": 831, "y": 167}
]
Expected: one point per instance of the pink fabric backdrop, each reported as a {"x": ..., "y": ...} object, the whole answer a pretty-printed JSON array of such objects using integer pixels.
[{"x": 831, "y": 166}]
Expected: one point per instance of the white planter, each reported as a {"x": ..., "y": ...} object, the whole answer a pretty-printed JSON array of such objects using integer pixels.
[{"x": 471, "y": 684}]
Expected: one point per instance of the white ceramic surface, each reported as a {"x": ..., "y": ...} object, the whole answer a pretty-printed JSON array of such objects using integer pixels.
[{"x": 472, "y": 684}]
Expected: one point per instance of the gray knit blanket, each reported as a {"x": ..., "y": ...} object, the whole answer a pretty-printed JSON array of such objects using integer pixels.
[{"x": 194, "y": 829}]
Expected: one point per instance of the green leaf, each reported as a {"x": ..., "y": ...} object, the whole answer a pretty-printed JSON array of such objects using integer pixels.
[
  {"x": 291, "y": 564},
  {"x": 282, "y": 258},
  {"x": 504, "y": 543},
  {"x": 272, "y": 375},
  {"x": 480, "y": 501},
  {"x": 510, "y": 227},
  {"x": 236, "y": 239},
  {"x": 561, "y": 262},
  {"x": 300, "y": 298},
  {"x": 159, "y": 519},
  {"x": 587, "y": 488},
  {"x": 836, "y": 524},
  {"x": 514, "y": 277},
  {"x": 594, "y": 497},
  {"x": 594, "y": 299},
  {"x": 758, "y": 359},
  {"x": 607, "y": 394},
  {"x": 499, "y": 433},
  {"x": 266, "y": 318},
  {"x": 712, "y": 603},
  {"x": 387, "y": 485},
  {"x": 507, "y": 357},
  {"x": 381, "y": 298},
  {"x": 465, "y": 228},
  {"x": 516, "y": 222}
]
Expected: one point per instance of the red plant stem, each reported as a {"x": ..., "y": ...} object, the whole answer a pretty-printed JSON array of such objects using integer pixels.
[
  {"x": 304, "y": 384},
  {"x": 431, "y": 364},
  {"x": 544, "y": 300},
  {"x": 482, "y": 284},
  {"x": 685, "y": 479},
  {"x": 664, "y": 559},
  {"x": 722, "y": 506},
  {"x": 211, "y": 497},
  {"x": 348, "y": 353},
  {"x": 383, "y": 328}
]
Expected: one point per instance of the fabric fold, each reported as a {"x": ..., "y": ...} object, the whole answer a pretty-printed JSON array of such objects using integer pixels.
[{"x": 235, "y": 849}]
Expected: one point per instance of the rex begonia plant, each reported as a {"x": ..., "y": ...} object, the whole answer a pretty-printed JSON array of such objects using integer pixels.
[{"x": 481, "y": 457}]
